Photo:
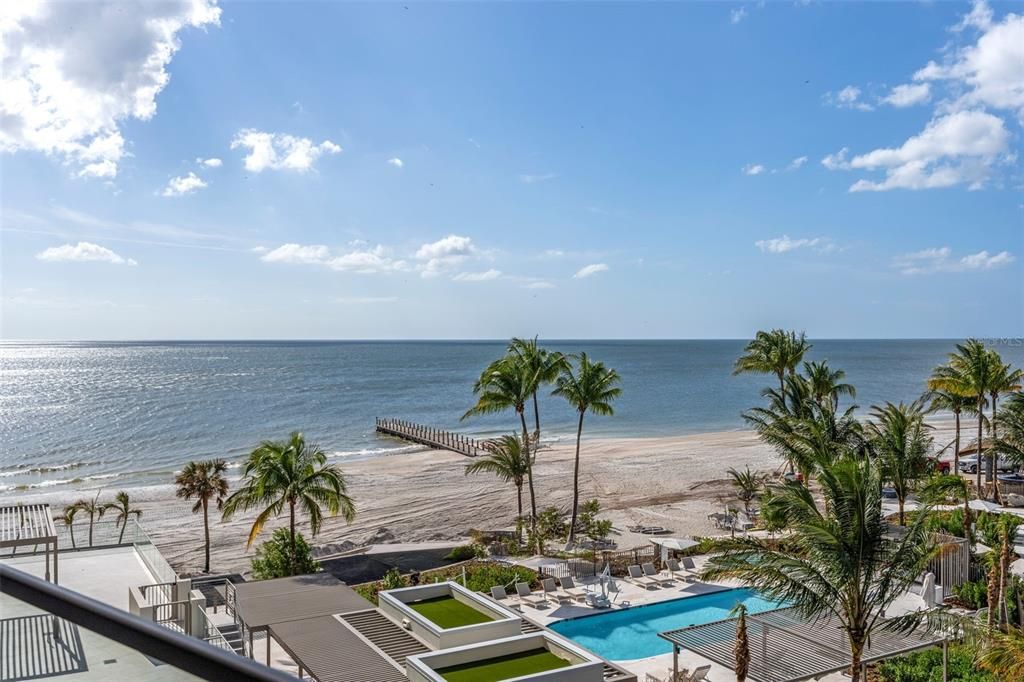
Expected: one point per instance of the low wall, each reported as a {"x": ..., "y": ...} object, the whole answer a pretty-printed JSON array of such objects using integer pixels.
[
  {"x": 423, "y": 668},
  {"x": 393, "y": 603}
]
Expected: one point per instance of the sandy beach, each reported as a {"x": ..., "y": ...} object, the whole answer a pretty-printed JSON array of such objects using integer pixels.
[{"x": 424, "y": 495}]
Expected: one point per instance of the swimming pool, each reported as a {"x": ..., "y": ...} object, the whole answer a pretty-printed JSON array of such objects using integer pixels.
[{"x": 633, "y": 633}]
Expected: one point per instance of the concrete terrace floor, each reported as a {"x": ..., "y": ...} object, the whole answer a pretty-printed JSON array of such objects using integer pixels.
[{"x": 77, "y": 654}]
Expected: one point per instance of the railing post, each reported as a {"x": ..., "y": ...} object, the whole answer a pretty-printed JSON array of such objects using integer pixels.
[{"x": 197, "y": 621}]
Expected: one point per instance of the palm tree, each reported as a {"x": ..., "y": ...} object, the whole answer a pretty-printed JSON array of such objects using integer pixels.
[
  {"x": 969, "y": 373},
  {"x": 742, "y": 648},
  {"x": 590, "y": 386},
  {"x": 507, "y": 461},
  {"x": 844, "y": 565},
  {"x": 827, "y": 383},
  {"x": 290, "y": 473},
  {"x": 1003, "y": 654},
  {"x": 1005, "y": 379},
  {"x": 91, "y": 507},
  {"x": 943, "y": 487},
  {"x": 67, "y": 517},
  {"x": 203, "y": 481},
  {"x": 1011, "y": 419},
  {"x": 900, "y": 440},
  {"x": 775, "y": 352},
  {"x": 508, "y": 384},
  {"x": 944, "y": 400},
  {"x": 545, "y": 364},
  {"x": 123, "y": 508},
  {"x": 748, "y": 485}
]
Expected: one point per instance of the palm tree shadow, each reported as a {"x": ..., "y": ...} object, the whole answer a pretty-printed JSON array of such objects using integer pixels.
[{"x": 41, "y": 646}]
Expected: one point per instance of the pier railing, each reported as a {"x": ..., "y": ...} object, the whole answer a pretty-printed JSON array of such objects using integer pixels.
[{"x": 431, "y": 437}]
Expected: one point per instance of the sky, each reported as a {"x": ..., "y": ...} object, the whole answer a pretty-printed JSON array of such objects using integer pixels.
[{"x": 249, "y": 170}]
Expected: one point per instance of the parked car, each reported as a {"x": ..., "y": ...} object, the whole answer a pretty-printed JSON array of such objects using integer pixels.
[
  {"x": 942, "y": 466},
  {"x": 970, "y": 464}
]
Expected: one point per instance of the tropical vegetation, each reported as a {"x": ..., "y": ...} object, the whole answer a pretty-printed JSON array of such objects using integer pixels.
[
  {"x": 91, "y": 507},
  {"x": 900, "y": 439},
  {"x": 507, "y": 459},
  {"x": 204, "y": 482},
  {"x": 122, "y": 508},
  {"x": 283, "y": 555}
]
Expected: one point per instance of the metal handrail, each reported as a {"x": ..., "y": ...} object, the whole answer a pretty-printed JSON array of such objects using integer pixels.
[{"x": 180, "y": 651}]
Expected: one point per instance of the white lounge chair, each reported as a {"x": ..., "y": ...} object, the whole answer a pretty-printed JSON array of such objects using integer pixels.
[
  {"x": 569, "y": 587},
  {"x": 700, "y": 674},
  {"x": 679, "y": 572},
  {"x": 637, "y": 577},
  {"x": 651, "y": 572},
  {"x": 499, "y": 595},
  {"x": 526, "y": 596},
  {"x": 553, "y": 592}
]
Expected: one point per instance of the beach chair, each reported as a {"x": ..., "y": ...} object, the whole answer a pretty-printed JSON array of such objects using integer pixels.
[
  {"x": 553, "y": 592},
  {"x": 569, "y": 587},
  {"x": 700, "y": 674},
  {"x": 651, "y": 572},
  {"x": 526, "y": 596},
  {"x": 678, "y": 572},
  {"x": 637, "y": 577},
  {"x": 688, "y": 565},
  {"x": 499, "y": 595}
]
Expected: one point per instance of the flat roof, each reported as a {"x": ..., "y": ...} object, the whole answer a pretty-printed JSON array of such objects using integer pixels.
[
  {"x": 299, "y": 597},
  {"x": 331, "y": 651},
  {"x": 785, "y": 647}
]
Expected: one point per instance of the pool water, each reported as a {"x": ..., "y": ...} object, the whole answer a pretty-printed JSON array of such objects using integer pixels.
[{"x": 633, "y": 633}]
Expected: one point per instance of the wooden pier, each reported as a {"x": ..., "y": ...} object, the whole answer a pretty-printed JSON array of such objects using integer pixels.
[{"x": 431, "y": 437}]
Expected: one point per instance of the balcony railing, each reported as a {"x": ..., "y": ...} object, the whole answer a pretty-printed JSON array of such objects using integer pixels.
[{"x": 67, "y": 609}]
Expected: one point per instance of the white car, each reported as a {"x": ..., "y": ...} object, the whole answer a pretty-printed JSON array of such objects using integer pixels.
[{"x": 970, "y": 464}]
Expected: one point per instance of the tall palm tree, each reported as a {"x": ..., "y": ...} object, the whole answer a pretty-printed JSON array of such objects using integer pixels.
[
  {"x": 124, "y": 510},
  {"x": 741, "y": 650},
  {"x": 93, "y": 508},
  {"x": 775, "y": 352},
  {"x": 588, "y": 387},
  {"x": 748, "y": 484},
  {"x": 1010, "y": 442},
  {"x": 899, "y": 438},
  {"x": 949, "y": 401},
  {"x": 204, "y": 481},
  {"x": 292, "y": 474},
  {"x": 506, "y": 460},
  {"x": 941, "y": 488},
  {"x": 1005, "y": 379},
  {"x": 827, "y": 383},
  {"x": 545, "y": 364},
  {"x": 969, "y": 372},
  {"x": 844, "y": 565},
  {"x": 508, "y": 384},
  {"x": 1003, "y": 654},
  {"x": 67, "y": 517}
]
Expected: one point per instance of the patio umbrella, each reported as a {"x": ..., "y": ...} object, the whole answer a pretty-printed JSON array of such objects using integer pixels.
[{"x": 676, "y": 544}]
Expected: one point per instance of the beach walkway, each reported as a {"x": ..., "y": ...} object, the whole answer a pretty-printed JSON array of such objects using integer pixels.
[{"x": 431, "y": 437}]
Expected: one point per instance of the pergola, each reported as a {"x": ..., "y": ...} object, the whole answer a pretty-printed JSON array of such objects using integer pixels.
[
  {"x": 784, "y": 647},
  {"x": 25, "y": 525}
]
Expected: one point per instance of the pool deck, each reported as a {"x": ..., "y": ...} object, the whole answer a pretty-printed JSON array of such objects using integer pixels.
[{"x": 629, "y": 595}]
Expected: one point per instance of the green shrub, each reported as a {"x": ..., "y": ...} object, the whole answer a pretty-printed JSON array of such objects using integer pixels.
[
  {"x": 480, "y": 577},
  {"x": 974, "y": 594},
  {"x": 926, "y": 666},
  {"x": 273, "y": 558},
  {"x": 465, "y": 552}
]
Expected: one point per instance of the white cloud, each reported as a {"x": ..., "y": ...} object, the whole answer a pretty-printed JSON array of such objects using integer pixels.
[
  {"x": 979, "y": 17},
  {"x": 361, "y": 259},
  {"x": 185, "y": 184},
  {"x": 837, "y": 161},
  {"x": 908, "y": 94},
  {"x": 737, "y": 15},
  {"x": 74, "y": 72},
  {"x": 531, "y": 179},
  {"x": 298, "y": 254},
  {"x": 954, "y": 149},
  {"x": 935, "y": 260},
  {"x": 82, "y": 252},
  {"x": 210, "y": 163},
  {"x": 396, "y": 162},
  {"x": 484, "y": 276},
  {"x": 796, "y": 163},
  {"x": 444, "y": 254},
  {"x": 589, "y": 270},
  {"x": 785, "y": 244},
  {"x": 848, "y": 98},
  {"x": 753, "y": 169},
  {"x": 278, "y": 151}
]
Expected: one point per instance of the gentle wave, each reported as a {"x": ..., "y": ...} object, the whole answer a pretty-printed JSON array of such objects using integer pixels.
[{"x": 44, "y": 469}]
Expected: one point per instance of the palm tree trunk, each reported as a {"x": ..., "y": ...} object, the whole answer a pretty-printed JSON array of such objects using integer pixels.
[
  {"x": 90, "y": 529},
  {"x": 992, "y": 453},
  {"x": 124, "y": 525},
  {"x": 981, "y": 416},
  {"x": 206, "y": 532},
  {"x": 576, "y": 481},
  {"x": 529, "y": 480},
  {"x": 519, "y": 519},
  {"x": 856, "y": 653},
  {"x": 71, "y": 532},
  {"x": 956, "y": 444},
  {"x": 536, "y": 415},
  {"x": 903, "y": 520},
  {"x": 291, "y": 529}
]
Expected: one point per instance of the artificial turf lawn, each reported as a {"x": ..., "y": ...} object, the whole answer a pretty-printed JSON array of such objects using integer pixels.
[
  {"x": 449, "y": 612},
  {"x": 504, "y": 667}
]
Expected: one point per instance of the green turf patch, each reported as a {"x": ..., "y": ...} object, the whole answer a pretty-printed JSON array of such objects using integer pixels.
[
  {"x": 449, "y": 612},
  {"x": 504, "y": 667}
]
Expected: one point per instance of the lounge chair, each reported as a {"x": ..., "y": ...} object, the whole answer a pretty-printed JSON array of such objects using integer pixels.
[
  {"x": 553, "y": 592},
  {"x": 651, "y": 572},
  {"x": 499, "y": 595},
  {"x": 688, "y": 565},
  {"x": 700, "y": 674},
  {"x": 569, "y": 587},
  {"x": 526, "y": 596},
  {"x": 680, "y": 573},
  {"x": 637, "y": 577}
]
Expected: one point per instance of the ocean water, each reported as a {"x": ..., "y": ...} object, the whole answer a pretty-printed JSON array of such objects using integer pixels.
[{"x": 90, "y": 415}]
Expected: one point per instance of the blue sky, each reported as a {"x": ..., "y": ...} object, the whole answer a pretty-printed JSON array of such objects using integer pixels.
[{"x": 389, "y": 170}]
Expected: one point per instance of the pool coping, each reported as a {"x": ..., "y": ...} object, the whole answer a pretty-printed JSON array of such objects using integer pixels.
[{"x": 605, "y": 612}]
